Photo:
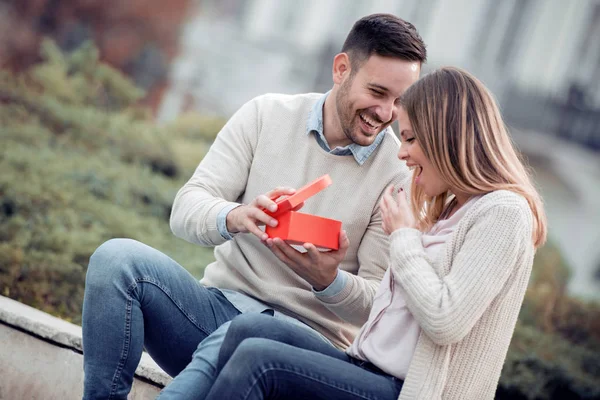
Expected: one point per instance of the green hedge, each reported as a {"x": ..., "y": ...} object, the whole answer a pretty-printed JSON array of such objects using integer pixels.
[
  {"x": 555, "y": 351},
  {"x": 82, "y": 163}
]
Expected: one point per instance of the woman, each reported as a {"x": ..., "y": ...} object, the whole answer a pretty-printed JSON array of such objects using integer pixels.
[{"x": 461, "y": 256}]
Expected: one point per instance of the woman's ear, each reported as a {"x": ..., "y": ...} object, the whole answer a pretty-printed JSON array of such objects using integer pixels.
[{"x": 341, "y": 68}]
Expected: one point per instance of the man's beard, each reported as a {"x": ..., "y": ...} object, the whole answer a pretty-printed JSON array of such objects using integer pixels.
[
  {"x": 346, "y": 116},
  {"x": 344, "y": 109}
]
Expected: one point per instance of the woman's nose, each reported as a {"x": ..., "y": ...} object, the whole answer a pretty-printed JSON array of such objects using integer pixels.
[{"x": 402, "y": 153}]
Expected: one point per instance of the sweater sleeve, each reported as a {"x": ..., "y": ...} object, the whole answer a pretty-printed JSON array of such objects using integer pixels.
[
  {"x": 218, "y": 182},
  {"x": 353, "y": 303},
  {"x": 447, "y": 307}
]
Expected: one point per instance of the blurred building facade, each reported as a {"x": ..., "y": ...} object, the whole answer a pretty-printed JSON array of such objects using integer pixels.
[
  {"x": 139, "y": 37},
  {"x": 540, "y": 57}
]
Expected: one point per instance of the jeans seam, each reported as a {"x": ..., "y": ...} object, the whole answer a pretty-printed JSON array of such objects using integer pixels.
[
  {"x": 126, "y": 342},
  {"x": 263, "y": 372}
]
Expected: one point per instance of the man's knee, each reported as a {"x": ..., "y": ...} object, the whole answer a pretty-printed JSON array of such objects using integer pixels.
[{"x": 110, "y": 258}]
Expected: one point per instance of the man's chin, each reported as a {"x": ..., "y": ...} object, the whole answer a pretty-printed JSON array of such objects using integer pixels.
[
  {"x": 365, "y": 141},
  {"x": 365, "y": 138}
]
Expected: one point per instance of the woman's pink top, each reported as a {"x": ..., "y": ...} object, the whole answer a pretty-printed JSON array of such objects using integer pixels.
[{"x": 389, "y": 337}]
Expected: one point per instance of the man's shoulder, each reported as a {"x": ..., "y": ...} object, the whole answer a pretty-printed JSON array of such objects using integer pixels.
[
  {"x": 391, "y": 139},
  {"x": 389, "y": 146},
  {"x": 288, "y": 101},
  {"x": 384, "y": 161}
]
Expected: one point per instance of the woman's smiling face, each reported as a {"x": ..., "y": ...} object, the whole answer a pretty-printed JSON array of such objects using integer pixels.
[{"x": 410, "y": 151}]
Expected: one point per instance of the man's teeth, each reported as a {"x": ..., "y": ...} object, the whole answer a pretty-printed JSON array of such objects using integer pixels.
[{"x": 369, "y": 121}]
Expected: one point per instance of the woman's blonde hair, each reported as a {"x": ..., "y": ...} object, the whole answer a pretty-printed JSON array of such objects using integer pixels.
[{"x": 458, "y": 125}]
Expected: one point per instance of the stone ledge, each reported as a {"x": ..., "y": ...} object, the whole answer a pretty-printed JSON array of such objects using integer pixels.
[{"x": 64, "y": 334}]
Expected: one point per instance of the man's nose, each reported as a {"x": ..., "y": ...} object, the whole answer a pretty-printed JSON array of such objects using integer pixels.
[{"x": 386, "y": 111}]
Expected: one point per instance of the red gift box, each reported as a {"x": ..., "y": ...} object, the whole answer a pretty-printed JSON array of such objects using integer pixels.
[{"x": 299, "y": 228}]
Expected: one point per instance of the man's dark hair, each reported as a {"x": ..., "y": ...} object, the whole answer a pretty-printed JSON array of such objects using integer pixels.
[{"x": 385, "y": 35}]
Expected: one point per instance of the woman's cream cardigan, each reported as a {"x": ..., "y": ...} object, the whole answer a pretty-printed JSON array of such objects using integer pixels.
[{"x": 467, "y": 306}]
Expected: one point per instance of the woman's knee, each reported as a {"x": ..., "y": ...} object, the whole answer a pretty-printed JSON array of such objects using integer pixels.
[
  {"x": 255, "y": 352},
  {"x": 248, "y": 360},
  {"x": 242, "y": 328},
  {"x": 250, "y": 325}
]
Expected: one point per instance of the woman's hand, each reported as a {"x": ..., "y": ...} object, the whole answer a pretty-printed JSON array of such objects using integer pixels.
[{"x": 395, "y": 211}]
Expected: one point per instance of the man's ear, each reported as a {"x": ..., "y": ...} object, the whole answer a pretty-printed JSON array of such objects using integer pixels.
[{"x": 341, "y": 68}]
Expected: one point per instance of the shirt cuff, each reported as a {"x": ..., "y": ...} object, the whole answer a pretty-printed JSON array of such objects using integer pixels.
[
  {"x": 334, "y": 288},
  {"x": 222, "y": 221}
]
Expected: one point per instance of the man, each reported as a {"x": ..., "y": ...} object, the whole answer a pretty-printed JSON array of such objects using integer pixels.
[{"x": 136, "y": 296}]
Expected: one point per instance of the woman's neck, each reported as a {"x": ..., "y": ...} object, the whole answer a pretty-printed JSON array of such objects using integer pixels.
[{"x": 458, "y": 200}]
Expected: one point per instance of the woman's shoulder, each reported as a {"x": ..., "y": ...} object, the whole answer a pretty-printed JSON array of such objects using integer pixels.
[
  {"x": 504, "y": 200},
  {"x": 507, "y": 197}
]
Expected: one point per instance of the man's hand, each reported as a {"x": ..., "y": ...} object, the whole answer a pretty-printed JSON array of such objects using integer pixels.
[
  {"x": 248, "y": 218},
  {"x": 319, "y": 269},
  {"x": 395, "y": 211}
]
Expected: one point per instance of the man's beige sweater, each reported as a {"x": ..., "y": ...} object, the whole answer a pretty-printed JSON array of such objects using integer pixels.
[{"x": 265, "y": 145}]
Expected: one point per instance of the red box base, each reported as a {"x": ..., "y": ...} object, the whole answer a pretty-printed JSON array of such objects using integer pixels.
[{"x": 299, "y": 228}]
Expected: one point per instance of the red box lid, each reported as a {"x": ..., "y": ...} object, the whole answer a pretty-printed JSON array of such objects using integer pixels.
[{"x": 289, "y": 203}]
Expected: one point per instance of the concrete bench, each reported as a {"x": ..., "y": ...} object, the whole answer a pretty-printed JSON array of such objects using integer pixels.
[{"x": 41, "y": 358}]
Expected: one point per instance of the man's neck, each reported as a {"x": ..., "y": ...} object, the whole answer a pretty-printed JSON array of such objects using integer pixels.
[{"x": 332, "y": 128}]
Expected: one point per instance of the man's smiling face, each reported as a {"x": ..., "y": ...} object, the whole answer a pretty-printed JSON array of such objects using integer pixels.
[{"x": 367, "y": 100}]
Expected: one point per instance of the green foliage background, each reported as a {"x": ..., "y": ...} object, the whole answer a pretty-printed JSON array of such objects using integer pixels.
[{"x": 81, "y": 163}]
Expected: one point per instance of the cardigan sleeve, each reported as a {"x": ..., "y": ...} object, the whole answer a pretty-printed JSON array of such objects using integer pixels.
[
  {"x": 447, "y": 307},
  {"x": 219, "y": 181}
]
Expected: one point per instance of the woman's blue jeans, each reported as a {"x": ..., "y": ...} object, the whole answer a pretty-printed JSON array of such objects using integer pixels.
[
  {"x": 136, "y": 296},
  {"x": 265, "y": 358}
]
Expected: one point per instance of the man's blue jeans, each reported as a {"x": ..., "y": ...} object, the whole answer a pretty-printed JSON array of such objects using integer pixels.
[
  {"x": 265, "y": 358},
  {"x": 136, "y": 296}
]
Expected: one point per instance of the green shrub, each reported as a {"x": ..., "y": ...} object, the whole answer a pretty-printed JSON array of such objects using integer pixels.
[
  {"x": 555, "y": 350},
  {"x": 82, "y": 163}
]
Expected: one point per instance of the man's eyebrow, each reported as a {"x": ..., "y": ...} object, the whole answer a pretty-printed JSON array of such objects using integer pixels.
[{"x": 378, "y": 86}]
